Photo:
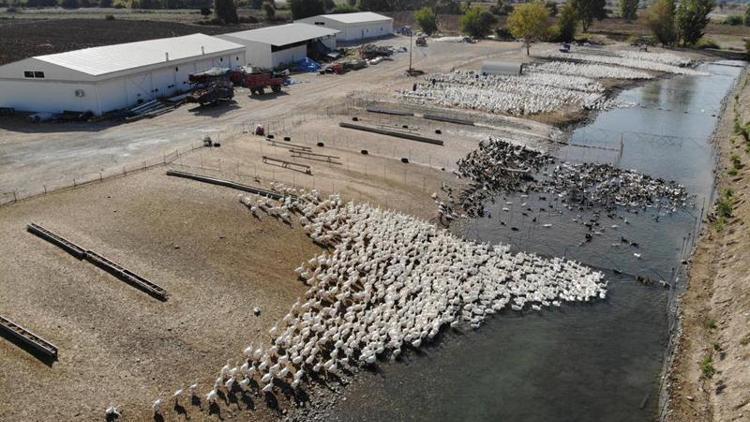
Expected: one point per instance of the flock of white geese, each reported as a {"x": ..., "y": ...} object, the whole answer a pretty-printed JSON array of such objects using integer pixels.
[{"x": 388, "y": 282}]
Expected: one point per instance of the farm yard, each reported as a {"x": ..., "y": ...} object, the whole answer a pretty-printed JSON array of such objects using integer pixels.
[{"x": 311, "y": 240}]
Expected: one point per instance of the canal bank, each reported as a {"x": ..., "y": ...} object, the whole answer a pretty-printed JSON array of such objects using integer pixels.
[{"x": 709, "y": 377}]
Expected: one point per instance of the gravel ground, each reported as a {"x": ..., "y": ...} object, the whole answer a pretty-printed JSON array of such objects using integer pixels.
[{"x": 116, "y": 343}]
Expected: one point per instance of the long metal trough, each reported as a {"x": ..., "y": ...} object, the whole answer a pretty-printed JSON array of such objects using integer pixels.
[
  {"x": 393, "y": 133},
  {"x": 115, "y": 269},
  {"x": 227, "y": 183},
  {"x": 57, "y": 240},
  {"x": 28, "y": 339},
  {"x": 126, "y": 275}
]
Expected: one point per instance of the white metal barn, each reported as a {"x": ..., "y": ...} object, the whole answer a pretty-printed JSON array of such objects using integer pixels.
[
  {"x": 354, "y": 26},
  {"x": 275, "y": 45},
  {"x": 107, "y": 78}
]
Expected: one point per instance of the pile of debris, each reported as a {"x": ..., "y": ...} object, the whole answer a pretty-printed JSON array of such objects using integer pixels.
[{"x": 372, "y": 51}]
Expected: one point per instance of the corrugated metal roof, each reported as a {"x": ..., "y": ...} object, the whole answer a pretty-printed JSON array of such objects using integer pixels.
[
  {"x": 358, "y": 17},
  {"x": 284, "y": 34},
  {"x": 99, "y": 61}
]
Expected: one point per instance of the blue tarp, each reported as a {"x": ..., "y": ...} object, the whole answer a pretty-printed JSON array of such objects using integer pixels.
[{"x": 305, "y": 65}]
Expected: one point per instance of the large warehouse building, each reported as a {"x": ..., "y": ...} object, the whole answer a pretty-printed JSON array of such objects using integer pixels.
[
  {"x": 103, "y": 79},
  {"x": 354, "y": 26},
  {"x": 275, "y": 45}
]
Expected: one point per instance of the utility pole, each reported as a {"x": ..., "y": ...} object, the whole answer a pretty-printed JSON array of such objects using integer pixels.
[{"x": 411, "y": 35}]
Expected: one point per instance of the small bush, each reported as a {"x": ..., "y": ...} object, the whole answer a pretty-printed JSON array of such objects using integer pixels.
[
  {"x": 553, "y": 34},
  {"x": 706, "y": 43},
  {"x": 744, "y": 341},
  {"x": 734, "y": 20},
  {"x": 636, "y": 40},
  {"x": 724, "y": 205},
  {"x": 503, "y": 34},
  {"x": 736, "y": 161},
  {"x": 344, "y": 8},
  {"x": 707, "y": 367},
  {"x": 109, "y": 17}
]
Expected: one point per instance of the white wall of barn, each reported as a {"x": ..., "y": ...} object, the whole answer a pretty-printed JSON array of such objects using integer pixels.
[
  {"x": 56, "y": 96},
  {"x": 48, "y": 96},
  {"x": 289, "y": 55},
  {"x": 353, "y": 31}
]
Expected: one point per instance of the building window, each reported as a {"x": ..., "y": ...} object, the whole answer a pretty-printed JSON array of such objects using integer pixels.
[
  {"x": 39, "y": 75},
  {"x": 28, "y": 74},
  {"x": 33, "y": 74}
]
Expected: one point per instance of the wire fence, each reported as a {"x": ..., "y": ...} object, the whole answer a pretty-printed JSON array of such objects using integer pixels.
[{"x": 64, "y": 183}]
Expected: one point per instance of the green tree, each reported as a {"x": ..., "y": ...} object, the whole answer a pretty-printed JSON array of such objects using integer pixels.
[
  {"x": 226, "y": 11},
  {"x": 629, "y": 10},
  {"x": 69, "y": 4},
  {"x": 305, "y": 8},
  {"x": 660, "y": 19},
  {"x": 344, "y": 8},
  {"x": 747, "y": 16},
  {"x": 529, "y": 22},
  {"x": 448, "y": 7},
  {"x": 376, "y": 5},
  {"x": 477, "y": 22},
  {"x": 692, "y": 18},
  {"x": 552, "y": 7},
  {"x": 588, "y": 10},
  {"x": 426, "y": 19},
  {"x": 270, "y": 10},
  {"x": 568, "y": 22}
]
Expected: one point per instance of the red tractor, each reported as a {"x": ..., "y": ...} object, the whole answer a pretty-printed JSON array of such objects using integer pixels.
[{"x": 258, "y": 82}]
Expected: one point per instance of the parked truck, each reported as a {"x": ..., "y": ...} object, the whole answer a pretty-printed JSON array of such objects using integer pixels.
[{"x": 258, "y": 82}]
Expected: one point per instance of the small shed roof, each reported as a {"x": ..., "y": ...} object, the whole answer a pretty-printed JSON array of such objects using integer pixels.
[
  {"x": 282, "y": 35},
  {"x": 103, "y": 60},
  {"x": 357, "y": 17}
]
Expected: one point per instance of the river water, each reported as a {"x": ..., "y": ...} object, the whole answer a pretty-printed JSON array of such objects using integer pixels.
[{"x": 590, "y": 362}]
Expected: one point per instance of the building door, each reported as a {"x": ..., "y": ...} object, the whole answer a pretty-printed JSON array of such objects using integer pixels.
[{"x": 138, "y": 88}]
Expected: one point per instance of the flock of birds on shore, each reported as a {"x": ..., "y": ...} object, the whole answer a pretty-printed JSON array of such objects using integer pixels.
[
  {"x": 499, "y": 166},
  {"x": 517, "y": 95},
  {"x": 589, "y": 70},
  {"x": 655, "y": 62},
  {"x": 388, "y": 282},
  {"x": 568, "y": 79}
]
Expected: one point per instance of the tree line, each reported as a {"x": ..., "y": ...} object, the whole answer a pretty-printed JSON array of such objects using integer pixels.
[{"x": 669, "y": 22}]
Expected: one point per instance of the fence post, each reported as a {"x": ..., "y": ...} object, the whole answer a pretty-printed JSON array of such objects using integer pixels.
[
  {"x": 15, "y": 198},
  {"x": 74, "y": 182}
]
